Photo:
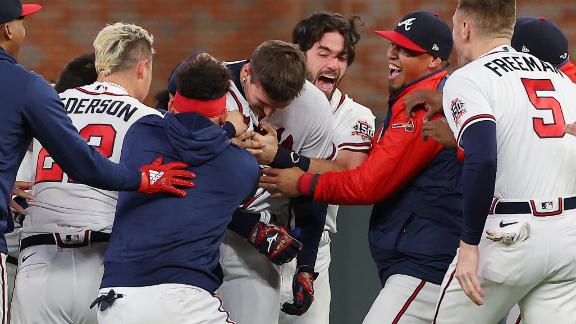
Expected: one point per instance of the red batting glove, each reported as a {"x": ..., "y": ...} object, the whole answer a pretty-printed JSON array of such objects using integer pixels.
[{"x": 158, "y": 177}]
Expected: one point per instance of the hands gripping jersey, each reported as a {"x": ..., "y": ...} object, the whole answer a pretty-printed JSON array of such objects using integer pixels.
[
  {"x": 530, "y": 128},
  {"x": 102, "y": 113},
  {"x": 305, "y": 127}
]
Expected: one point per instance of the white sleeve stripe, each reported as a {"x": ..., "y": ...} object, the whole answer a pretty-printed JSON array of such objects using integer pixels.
[{"x": 471, "y": 121}]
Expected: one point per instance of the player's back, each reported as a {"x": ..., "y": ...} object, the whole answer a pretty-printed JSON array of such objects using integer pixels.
[
  {"x": 102, "y": 113},
  {"x": 531, "y": 102}
]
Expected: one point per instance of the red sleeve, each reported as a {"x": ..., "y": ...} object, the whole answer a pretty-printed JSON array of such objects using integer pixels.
[{"x": 393, "y": 161}]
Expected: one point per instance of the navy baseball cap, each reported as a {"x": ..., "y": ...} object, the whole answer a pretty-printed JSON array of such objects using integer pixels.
[
  {"x": 423, "y": 32},
  {"x": 542, "y": 38},
  {"x": 172, "y": 86},
  {"x": 12, "y": 9}
]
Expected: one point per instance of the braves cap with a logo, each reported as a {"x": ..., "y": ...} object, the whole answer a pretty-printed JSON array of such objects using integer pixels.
[
  {"x": 423, "y": 32},
  {"x": 12, "y": 9},
  {"x": 542, "y": 38}
]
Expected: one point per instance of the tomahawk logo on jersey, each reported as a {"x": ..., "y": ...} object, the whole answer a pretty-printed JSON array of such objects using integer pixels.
[
  {"x": 102, "y": 113},
  {"x": 547, "y": 106}
]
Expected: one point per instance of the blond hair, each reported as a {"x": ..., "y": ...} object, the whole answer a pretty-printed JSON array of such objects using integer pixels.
[
  {"x": 494, "y": 17},
  {"x": 119, "y": 47}
]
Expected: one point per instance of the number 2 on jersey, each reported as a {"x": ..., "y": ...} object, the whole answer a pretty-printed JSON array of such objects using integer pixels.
[
  {"x": 48, "y": 171},
  {"x": 555, "y": 129}
]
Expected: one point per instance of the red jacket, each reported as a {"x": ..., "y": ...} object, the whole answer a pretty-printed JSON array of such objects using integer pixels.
[
  {"x": 394, "y": 160},
  {"x": 570, "y": 70}
]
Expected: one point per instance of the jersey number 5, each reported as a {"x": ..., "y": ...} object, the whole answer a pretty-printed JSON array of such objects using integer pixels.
[
  {"x": 551, "y": 130},
  {"x": 102, "y": 134}
]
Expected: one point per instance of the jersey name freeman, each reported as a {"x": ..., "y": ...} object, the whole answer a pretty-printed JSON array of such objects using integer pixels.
[
  {"x": 519, "y": 63},
  {"x": 117, "y": 108}
]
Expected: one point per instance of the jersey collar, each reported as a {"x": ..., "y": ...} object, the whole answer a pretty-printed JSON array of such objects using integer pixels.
[
  {"x": 499, "y": 49},
  {"x": 337, "y": 100}
]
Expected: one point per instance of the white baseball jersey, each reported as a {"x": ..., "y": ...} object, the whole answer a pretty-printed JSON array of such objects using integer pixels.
[
  {"x": 531, "y": 102},
  {"x": 236, "y": 102},
  {"x": 305, "y": 127},
  {"x": 353, "y": 131},
  {"x": 102, "y": 112}
]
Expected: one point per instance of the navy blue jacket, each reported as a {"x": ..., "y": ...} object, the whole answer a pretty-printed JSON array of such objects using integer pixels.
[
  {"x": 31, "y": 108},
  {"x": 164, "y": 239}
]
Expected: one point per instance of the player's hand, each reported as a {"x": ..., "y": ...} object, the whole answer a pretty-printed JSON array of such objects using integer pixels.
[
  {"x": 238, "y": 120},
  {"x": 158, "y": 177},
  {"x": 570, "y": 129},
  {"x": 267, "y": 142},
  {"x": 439, "y": 130},
  {"x": 275, "y": 243},
  {"x": 302, "y": 290},
  {"x": 430, "y": 100},
  {"x": 283, "y": 180},
  {"x": 466, "y": 272},
  {"x": 19, "y": 190}
]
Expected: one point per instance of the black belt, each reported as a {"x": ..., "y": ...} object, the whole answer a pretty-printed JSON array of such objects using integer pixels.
[
  {"x": 525, "y": 207},
  {"x": 68, "y": 241},
  {"x": 12, "y": 260}
]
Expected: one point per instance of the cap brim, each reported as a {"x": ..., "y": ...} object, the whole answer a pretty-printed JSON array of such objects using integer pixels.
[
  {"x": 28, "y": 9},
  {"x": 401, "y": 40}
]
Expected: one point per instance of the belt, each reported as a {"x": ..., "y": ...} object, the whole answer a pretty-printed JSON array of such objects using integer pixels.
[
  {"x": 69, "y": 241},
  {"x": 12, "y": 260},
  {"x": 537, "y": 208}
]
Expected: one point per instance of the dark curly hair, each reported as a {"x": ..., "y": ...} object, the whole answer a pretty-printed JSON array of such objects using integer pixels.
[
  {"x": 310, "y": 30},
  {"x": 78, "y": 72},
  {"x": 203, "y": 78}
]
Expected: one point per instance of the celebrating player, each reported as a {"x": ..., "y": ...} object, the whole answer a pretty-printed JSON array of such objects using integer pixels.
[
  {"x": 506, "y": 107},
  {"x": 272, "y": 87},
  {"x": 68, "y": 223},
  {"x": 31, "y": 108},
  {"x": 328, "y": 41},
  {"x": 165, "y": 270},
  {"x": 415, "y": 184}
]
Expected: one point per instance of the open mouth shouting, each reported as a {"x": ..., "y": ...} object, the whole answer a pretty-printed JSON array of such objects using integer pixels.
[
  {"x": 327, "y": 82},
  {"x": 395, "y": 71}
]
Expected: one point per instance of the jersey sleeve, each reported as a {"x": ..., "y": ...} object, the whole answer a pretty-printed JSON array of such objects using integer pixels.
[
  {"x": 393, "y": 161},
  {"x": 49, "y": 123},
  {"x": 319, "y": 138},
  {"x": 465, "y": 103},
  {"x": 356, "y": 131}
]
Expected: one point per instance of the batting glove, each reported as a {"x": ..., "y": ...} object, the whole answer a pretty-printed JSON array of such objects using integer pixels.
[
  {"x": 275, "y": 243},
  {"x": 158, "y": 177},
  {"x": 302, "y": 290}
]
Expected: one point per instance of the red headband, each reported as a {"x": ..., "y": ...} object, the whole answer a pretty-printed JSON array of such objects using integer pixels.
[{"x": 206, "y": 108}]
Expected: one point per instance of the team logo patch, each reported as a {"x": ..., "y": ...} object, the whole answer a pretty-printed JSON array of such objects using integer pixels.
[
  {"x": 408, "y": 127},
  {"x": 364, "y": 130},
  {"x": 458, "y": 110},
  {"x": 407, "y": 23}
]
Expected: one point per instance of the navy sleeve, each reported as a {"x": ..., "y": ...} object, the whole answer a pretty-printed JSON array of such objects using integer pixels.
[
  {"x": 49, "y": 123},
  {"x": 478, "y": 177},
  {"x": 310, "y": 219}
]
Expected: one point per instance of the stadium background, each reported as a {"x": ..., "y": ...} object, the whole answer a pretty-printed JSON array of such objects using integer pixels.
[{"x": 230, "y": 30}]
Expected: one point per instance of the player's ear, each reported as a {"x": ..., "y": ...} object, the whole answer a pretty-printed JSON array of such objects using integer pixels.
[
  {"x": 141, "y": 68},
  {"x": 434, "y": 63},
  {"x": 222, "y": 118},
  {"x": 171, "y": 107},
  {"x": 466, "y": 30},
  {"x": 5, "y": 31}
]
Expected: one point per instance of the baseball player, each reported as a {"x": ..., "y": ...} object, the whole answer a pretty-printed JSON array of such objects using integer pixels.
[
  {"x": 31, "y": 108},
  {"x": 165, "y": 270},
  {"x": 415, "y": 184},
  {"x": 68, "y": 224},
  {"x": 328, "y": 41},
  {"x": 300, "y": 116},
  {"x": 538, "y": 36},
  {"x": 508, "y": 110}
]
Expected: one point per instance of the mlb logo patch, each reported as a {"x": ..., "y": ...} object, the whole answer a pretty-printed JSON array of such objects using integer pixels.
[
  {"x": 458, "y": 110},
  {"x": 408, "y": 127},
  {"x": 547, "y": 205}
]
